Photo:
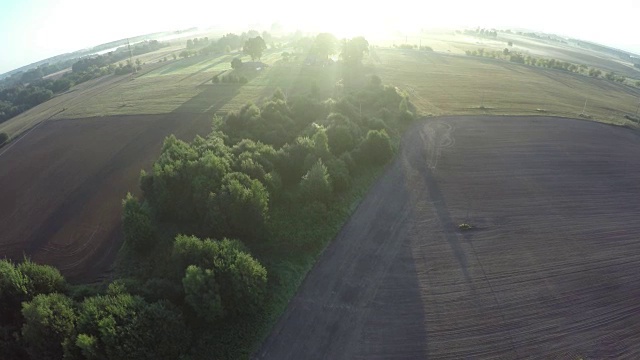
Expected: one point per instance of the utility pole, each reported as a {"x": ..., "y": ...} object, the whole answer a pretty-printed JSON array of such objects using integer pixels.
[{"x": 584, "y": 108}]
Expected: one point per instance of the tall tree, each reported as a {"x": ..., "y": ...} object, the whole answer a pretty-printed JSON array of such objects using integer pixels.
[
  {"x": 138, "y": 229},
  {"x": 254, "y": 47},
  {"x": 324, "y": 45},
  {"x": 353, "y": 50},
  {"x": 49, "y": 321},
  {"x": 236, "y": 63},
  {"x": 202, "y": 293},
  {"x": 316, "y": 184}
]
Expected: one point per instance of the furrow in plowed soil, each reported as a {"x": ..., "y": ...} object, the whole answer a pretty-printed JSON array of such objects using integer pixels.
[{"x": 549, "y": 270}]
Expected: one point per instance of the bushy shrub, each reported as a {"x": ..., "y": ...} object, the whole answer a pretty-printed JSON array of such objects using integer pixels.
[
  {"x": 241, "y": 206},
  {"x": 139, "y": 233},
  {"x": 240, "y": 280},
  {"x": 376, "y": 147},
  {"x": 3, "y": 138},
  {"x": 316, "y": 184},
  {"x": 339, "y": 175},
  {"x": 49, "y": 321},
  {"x": 42, "y": 279},
  {"x": 202, "y": 293},
  {"x": 123, "y": 326}
]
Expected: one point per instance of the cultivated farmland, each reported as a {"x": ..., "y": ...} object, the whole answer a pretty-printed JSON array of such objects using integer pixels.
[
  {"x": 62, "y": 186},
  {"x": 549, "y": 267}
]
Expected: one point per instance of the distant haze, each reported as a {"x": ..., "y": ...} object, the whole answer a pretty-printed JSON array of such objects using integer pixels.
[{"x": 34, "y": 30}]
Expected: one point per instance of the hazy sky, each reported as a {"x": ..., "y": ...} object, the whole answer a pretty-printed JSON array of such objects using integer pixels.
[{"x": 31, "y": 30}]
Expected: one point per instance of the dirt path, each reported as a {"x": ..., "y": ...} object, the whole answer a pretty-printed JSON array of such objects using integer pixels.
[{"x": 549, "y": 270}]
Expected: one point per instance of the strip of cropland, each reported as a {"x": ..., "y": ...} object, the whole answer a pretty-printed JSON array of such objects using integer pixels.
[{"x": 548, "y": 269}]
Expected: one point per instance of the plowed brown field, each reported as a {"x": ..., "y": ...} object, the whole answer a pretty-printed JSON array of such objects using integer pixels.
[
  {"x": 551, "y": 268},
  {"x": 62, "y": 184}
]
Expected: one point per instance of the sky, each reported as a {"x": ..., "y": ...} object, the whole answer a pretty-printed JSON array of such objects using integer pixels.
[{"x": 32, "y": 30}]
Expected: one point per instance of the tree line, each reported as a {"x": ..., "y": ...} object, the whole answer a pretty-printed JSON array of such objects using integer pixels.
[
  {"x": 23, "y": 96},
  {"x": 556, "y": 64}
]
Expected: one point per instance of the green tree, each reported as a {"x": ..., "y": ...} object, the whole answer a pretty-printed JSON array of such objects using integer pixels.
[
  {"x": 404, "y": 105},
  {"x": 243, "y": 205},
  {"x": 353, "y": 50},
  {"x": 49, "y": 321},
  {"x": 376, "y": 147},
  {"x": 236, "y": 63},
  {"x": 321, "y": 143},
  {"x": 14, "y": 289},
  {"x": 42, "y": 279},
  {"x": 123, "y": 326},
  {"x": 159, "y": 332},
  {"x": 247, "y": 280},
  {"x": 340, "y": 134},
  {"x": 202, "y": 293},
  {"x": 61, "y": 85},
  {"x": 190, "y": 250},
  {"x": 240, "y": 279},
  {"x": 3, "y": 138},
  {"x": 291, "y": 160},
  {"x": 315, "y": 184},
  {"x": 139, "y": 233},
  {"x": 339, "y": 174},
  {"x": 376, "y": 82},
  {"x": 254, "y": 47},
  {"x": 278, "y": 95},
  {"x": 325, "y": 44}
]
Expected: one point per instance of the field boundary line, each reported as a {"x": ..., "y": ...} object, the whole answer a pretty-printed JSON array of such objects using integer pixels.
[{"x": 23, "y": 135}]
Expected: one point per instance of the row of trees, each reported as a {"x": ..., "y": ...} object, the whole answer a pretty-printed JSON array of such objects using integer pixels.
[
  {"x": 122, "y": 53},
  {"x": 481, "y": 32},
  {"x": 322, "y": 46},
  {"x": 231, "y": 42},
  {"x": 35, "y": 74},
  {"x": 197, "y": 42},
  {"x": 546, "y": 63},
  {"x": 19, "y": 98},
  {"x": 42, "y": 317}
]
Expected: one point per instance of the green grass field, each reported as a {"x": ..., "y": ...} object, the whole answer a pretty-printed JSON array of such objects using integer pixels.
[{"x": 459, "y": 85}]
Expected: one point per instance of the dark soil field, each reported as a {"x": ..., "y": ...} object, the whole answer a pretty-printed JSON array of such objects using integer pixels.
[
  {"x": 62, "y": 184},
  {"x": 550, "y": 268}
]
